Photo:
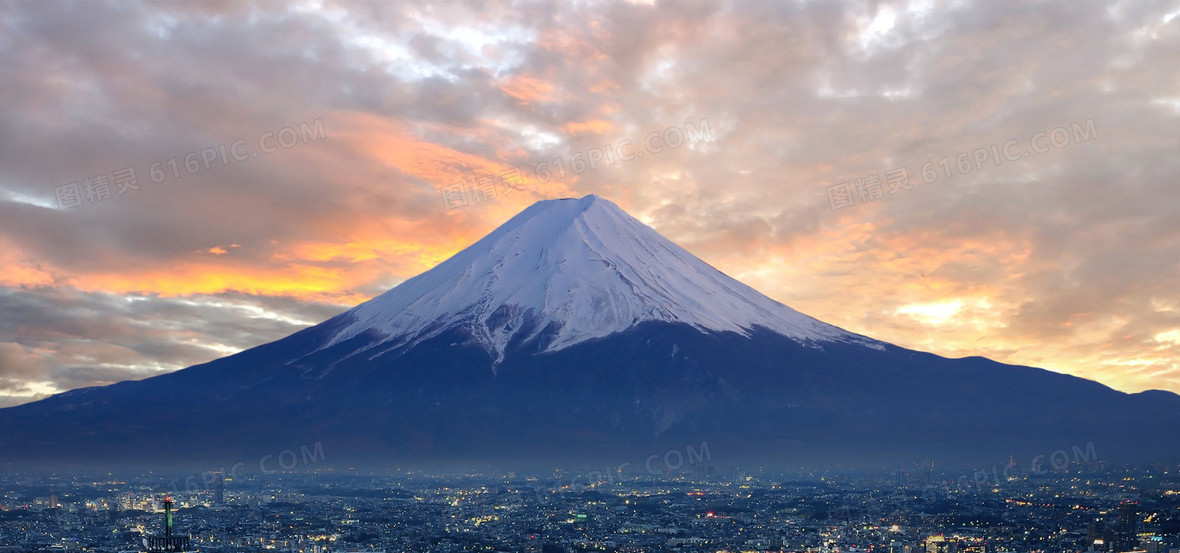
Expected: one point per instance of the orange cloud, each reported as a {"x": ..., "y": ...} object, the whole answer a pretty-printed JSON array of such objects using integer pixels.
[
  {"x": 345, "y": 254},
  {"x": 910, "y": 288},
  {"x": 593, "y": 126},
  {"x": 607, "y": 86},
  {"x": 16, "y": 271},
  {"x": 295, "y": 280},
  {"x": 17, "y": 274},
  {"x": 389, "y": 142},
  {"x": 528, "y": 89}
]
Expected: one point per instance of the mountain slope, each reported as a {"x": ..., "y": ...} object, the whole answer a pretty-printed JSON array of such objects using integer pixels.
[
  {"x": 575, "y": 334},
  {"x": 583, "y": 269}
]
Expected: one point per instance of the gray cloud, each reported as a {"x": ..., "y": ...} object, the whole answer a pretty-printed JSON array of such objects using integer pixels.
[
  {"x": 100, "y": 338},
  {"x": 18, "y": 365}
]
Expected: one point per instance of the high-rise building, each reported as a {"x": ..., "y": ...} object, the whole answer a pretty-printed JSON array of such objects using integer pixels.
[
  {"x": 218, "y": 488},
  {"x": 1126, "y": 532}
]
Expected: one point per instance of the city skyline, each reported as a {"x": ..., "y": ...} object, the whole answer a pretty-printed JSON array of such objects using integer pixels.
[{"x": 907, "y": 509}]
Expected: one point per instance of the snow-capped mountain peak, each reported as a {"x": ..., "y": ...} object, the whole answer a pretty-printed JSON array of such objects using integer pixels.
[{"x": 578, "y": 269}]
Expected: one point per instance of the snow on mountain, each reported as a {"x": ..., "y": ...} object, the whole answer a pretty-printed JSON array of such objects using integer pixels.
[{"x": 583, "y": 265}]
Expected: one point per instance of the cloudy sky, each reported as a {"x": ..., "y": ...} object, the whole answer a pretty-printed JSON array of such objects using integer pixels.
[{"x": 180, "y": 181}]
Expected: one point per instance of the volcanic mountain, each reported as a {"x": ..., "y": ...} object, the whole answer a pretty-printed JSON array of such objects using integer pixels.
[{"x": 574, "y": 333}]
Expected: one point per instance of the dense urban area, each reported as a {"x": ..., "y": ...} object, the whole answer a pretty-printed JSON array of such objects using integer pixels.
[{"x": 1055, "y": 503}]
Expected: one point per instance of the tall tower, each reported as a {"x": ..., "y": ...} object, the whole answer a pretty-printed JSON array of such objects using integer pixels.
[
  {"x": 167, "y": 542},
  {"x": 218, "y": 488},
  {"x": 1128, "y": 527}
]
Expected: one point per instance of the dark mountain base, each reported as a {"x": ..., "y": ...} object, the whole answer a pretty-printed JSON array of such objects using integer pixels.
[{"x": 653, "y": 390}]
